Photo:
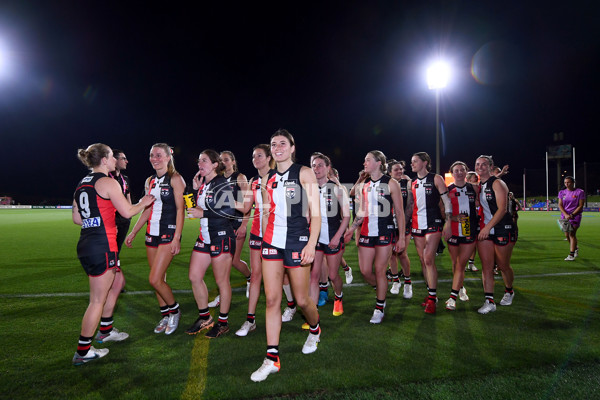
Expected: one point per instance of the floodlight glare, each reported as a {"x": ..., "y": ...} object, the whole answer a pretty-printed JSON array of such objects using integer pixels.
[{"x": 437, "y": 75}]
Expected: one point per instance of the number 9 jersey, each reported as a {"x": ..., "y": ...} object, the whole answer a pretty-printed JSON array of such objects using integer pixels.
[{"x": 98, "y": 229}]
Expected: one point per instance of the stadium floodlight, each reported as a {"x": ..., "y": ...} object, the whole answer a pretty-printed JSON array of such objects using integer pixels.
[
  {"x": 437, "y": 78},
  {"x": 437, "y": 75}
]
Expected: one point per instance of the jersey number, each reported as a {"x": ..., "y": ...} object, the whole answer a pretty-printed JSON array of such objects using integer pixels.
[{"x": 84, "y": 205}]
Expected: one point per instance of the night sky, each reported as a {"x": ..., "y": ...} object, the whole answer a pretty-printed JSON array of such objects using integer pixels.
[{"x": 343, "y": 77}]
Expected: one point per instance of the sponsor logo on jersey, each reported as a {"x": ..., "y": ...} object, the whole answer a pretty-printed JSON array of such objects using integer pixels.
[
  {"x": 221, "y": 233},
  {"x": 91, "y": 222},
  {"x": 111, "y": 263},
  {"x": 295, "y": 255},
  {"x": 86, "y": 179},
  {"x": 272, "y": 252},
  {"x": 290, "y": 182},
  {"x": 507, "y": 226},
  {"x": 172, "y": 226},
  {"x": 391, "y": 226},
  {"x": 213, "y": 248},
  {"x": 303, "y": 238},
  {"x": 363, "y": 240},
  {"x": 148, "y": 239},
  {"x": 265, "y": 251},
  {"x": 200, "y": 244}
]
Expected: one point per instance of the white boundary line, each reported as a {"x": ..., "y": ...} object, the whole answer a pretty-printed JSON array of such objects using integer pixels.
[{"x": 240, "y": 289}]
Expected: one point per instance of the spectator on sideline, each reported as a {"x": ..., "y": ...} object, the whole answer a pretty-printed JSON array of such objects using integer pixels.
[{"x": 570, "y": 202}]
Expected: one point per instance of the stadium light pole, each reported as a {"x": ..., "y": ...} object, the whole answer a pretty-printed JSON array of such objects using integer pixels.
[{"x": 437, "y": 79}]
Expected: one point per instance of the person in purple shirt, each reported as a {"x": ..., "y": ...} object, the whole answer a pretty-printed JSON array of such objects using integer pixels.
[{"x": 570, "y": 202}]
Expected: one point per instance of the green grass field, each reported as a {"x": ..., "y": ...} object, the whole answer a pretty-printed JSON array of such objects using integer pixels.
[{"x": 545, "y": 346}]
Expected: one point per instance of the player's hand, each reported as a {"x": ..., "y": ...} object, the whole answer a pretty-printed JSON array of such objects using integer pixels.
[{"x": 308, "y": 255}]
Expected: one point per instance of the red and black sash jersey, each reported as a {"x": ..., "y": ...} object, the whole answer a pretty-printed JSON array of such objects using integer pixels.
[
  {"x": 123, "y": 181},
  {"x": 98, "y": 230},
  {"x": 489, "y": 206},
  {"x": 232, "y": 179},
  {"x": 255, "y": 185},
  {"x": 426, "y": 203},
  {"x": 377, "y": 206},
  {"x": 463, "y": 202},
  {"x": 163, "y": 217},
  {"x": 331, "y": 212},
  {"x": 288, "y": 209},
  {"x": 217, "y": 200}
]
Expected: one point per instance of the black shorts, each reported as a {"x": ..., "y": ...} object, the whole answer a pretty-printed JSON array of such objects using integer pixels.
[
  {"x": 504, "y": 234},
  {"x": 372, "y": 241},
  {"x": 458, "y": 240},
  {"x": 423, "y": 232},
  {"x": 504, "y": 239},
  {"x": 236, "y": 223},
  {"x": 292, "y": 258},
  {"x": 221, "y": 246},
  {"x": 98, "y": 264},
  {"x": 328, "y": 251},
  {"x": 255, "y": 242},
  {"x": 155, "y": 241}
]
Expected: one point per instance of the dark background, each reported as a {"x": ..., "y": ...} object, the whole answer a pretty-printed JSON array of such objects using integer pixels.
[{"x": 343, "y": 77}]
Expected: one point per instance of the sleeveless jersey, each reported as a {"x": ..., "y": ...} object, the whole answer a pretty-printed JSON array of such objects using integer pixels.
[
  {"x": 487, "y": 199},
  {"x": 288, "y": 215},
  {"x": 98, "y": 229},
  {"x": 463, "y": 202},
  {"x": 123, "y": 181},
  {"x": 163, "y": 216},
  {"x": 217, "y": 200},
  {"x": 426, "y": 203},
  {"x": 255, "y": 185},
  {"x": 331, "y": 213},
  {"x": 378, "y": 207},
  {"x": 236, "y": 192}
]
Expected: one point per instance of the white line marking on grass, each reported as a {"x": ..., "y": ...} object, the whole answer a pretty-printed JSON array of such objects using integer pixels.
[{"x": 243, "y": 288}]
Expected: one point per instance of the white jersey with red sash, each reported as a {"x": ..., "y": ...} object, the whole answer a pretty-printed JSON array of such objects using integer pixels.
[
  {"x": 463, "y": 203},
  {"x": 287, "y": 225},
  {"x": 426, "y": 203},
  {"x": 377, "y": 206}
]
